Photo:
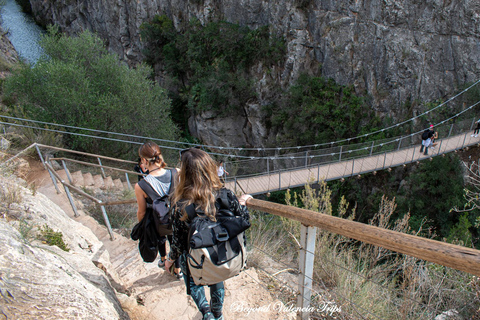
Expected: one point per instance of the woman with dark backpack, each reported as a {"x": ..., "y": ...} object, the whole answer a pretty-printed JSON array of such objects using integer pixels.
[
  {"x": 157, "y": 182},
  {"x": 198, "y": 185}
]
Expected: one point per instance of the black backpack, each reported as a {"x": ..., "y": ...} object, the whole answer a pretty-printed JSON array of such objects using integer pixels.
[
  {"x": 425, "y": 134},
  {"x": 162, "y": 214},
  {"x": 216, "y": 249}
]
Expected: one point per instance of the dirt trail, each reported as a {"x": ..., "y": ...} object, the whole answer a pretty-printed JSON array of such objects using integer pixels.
[{"x": 154, "y": 294}]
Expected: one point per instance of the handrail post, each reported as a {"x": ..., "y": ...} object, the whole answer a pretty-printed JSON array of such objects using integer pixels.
[
  {"x": 53, "y": 179},
  {"x": 473, "y": 122},
  {"x": 353, "y": 165},
  {"x": 107, "y": 222},
  {"x": 384, "y": 159},
  {"x": 101, "y": 168},
  {"x": 279, "y": 180},
  {"x": 439, "y": 147},
  {"x": 129, "y": 185},
  {"x": 306, "y": 264},
  {"x": 399, "y": 143},
  {"x": 464, "y": 139},
  {"x": 67, "y": 172},
  {"x": 450, "y": 132},
  {"x": 40, "y": 155},
  {"x": 371, "y": 150},
  {"x": 318, "y": 173},
  {"x": 413, "y": 155},
  {"x": 340, "y": 154},
  {"x": 69, "y": 196}
]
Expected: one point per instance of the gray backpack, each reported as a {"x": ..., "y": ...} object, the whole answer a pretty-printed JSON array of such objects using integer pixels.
[{"x": 216, "y": 249}]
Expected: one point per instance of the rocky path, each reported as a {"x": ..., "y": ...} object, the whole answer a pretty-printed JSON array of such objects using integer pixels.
[{"x": 151, "y": 293}]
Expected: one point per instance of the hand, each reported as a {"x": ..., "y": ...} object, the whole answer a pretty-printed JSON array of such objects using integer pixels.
[
  {"x": 168, "y": 264},
  {"x": 243, "y": 199}
]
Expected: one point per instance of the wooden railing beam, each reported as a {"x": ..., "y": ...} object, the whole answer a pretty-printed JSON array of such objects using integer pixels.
[{"x": 446, "y": 254}]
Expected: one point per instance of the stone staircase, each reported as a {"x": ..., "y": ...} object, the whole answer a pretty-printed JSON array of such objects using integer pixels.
[{"x": 96, "y": 183}]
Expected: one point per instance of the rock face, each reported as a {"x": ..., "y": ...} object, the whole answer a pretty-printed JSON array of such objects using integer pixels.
[
  {"x": 396, "y": 51},
  {"x": 38, "y": 281}
]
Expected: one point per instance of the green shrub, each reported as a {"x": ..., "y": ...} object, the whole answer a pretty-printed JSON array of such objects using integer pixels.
[
  {"x": 316, "y": 110},
  {"x": 78, "y": 83},
  {"x": 53, "y": 238},
  {"x": 434, "y": 189},
  {"x": 208, "y": 66}
]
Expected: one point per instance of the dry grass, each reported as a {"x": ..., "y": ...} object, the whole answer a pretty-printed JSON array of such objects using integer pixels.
[{"x": 365, "y": 281}]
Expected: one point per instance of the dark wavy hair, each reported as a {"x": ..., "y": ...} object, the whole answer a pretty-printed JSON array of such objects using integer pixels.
[{"x": 151, "y": 151}]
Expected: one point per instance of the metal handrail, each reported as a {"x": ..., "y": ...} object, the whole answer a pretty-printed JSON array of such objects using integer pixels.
[
  {"x": 84, "y": 153},
  {"x": 96, "y": 165}
]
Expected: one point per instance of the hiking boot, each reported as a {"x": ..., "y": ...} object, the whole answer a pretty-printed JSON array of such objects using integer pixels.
[
  {"x": 219, "y": 318},
  {"x": 426, "y": 152},
  {"x": 179, "y": 275},
  {"x": 208, "y": 316},
  {"x": 421, "y": 148}
]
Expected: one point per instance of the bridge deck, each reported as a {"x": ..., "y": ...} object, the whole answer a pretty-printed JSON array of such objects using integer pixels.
[{"x": 336, "y": 170}]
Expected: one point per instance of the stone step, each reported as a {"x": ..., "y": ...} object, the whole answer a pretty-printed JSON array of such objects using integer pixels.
[
  {"x": 63, "y": 175},
  {"x": 118, "y": 184},
  {"x": 99, "y": 184},
  {"x": 127, "y": 186},
  {"x": 77, "y": 178},
  {"x": 108, "y": 183},
  {"x": 88, "y": 180}
]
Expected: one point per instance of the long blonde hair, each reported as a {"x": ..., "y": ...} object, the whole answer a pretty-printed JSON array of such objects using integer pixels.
[{"x": 198, "y": 182}]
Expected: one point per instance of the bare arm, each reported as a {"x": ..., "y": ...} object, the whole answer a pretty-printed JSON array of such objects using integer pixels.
[{"x": 141, "y": 202}]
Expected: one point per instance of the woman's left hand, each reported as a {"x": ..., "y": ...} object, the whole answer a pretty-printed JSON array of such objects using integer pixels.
[{"x": 243, "y": 199}]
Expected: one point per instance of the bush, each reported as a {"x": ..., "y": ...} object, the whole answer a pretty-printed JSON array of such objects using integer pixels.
[
  {"x": 316, "y": 110},
  {"x": 208, "y": 65},
  {"x": 53, "y": 238},
  {"x": 434, "y": 189},
  {"x": 78, "y": 83}
]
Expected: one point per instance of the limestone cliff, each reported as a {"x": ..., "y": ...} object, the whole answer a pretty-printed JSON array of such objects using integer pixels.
[
  {"x": 393, "y": 50},
  {"x": 39, "y": 281}
]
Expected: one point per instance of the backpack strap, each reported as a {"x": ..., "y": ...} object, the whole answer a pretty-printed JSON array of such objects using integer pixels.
[
  {"x": 222, "y": 198},
  {"x": 151, "y": 193},
  {"x": 190, "y": 210}
]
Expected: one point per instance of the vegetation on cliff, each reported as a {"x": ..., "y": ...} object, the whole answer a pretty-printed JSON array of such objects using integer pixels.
[
  {"x": 317, "y": 110},
  {"x": 78, "y": 83},
  {"x": 208, "y": 66}
]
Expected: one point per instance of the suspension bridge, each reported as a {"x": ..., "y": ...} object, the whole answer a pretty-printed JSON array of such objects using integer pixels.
[{"x": 348, "y": 167}]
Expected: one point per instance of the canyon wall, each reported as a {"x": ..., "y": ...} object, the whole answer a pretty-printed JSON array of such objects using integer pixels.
[{"x": 395, "y": 51}]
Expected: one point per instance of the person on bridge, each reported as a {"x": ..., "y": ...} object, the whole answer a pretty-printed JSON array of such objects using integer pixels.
[
  {"x": 159, "y": 180},
  {"x": 198, "y": 184},
  {"x": 222, "y": 172},
  {"x": 427, "y": 137},
  {"x": 477, "y": 130}
]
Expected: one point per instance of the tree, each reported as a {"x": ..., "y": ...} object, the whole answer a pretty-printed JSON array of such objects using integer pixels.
[
  {"x": 434, "y": 189},
  {"x": 78, "y": 83}
]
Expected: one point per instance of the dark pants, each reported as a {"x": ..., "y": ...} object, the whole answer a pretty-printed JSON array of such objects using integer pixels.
[
  {"x": 162, "y": 249},
  {"x": 217, "y": 293}
]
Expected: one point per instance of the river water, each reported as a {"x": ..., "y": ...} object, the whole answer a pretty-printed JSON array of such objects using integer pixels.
[{"x": 22, "y": 31}]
